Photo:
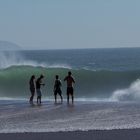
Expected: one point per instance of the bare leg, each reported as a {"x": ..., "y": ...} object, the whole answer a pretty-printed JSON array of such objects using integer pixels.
[
  {"x": 40, "y": 100},
  {"x": 32, "y": 96},
  {"x": 37, "y": 99},
  {"x": 68, "y": 98},
  {"x": 61, "y": 98},
  {"x": 72, "y": 99},
  {"x": 55, "y": 98}
]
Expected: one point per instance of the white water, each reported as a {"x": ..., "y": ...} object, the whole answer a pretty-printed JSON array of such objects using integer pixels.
[{"x": 132, "y": 93}]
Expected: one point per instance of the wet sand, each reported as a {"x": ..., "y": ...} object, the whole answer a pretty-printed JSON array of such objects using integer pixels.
[{"x": 124, "y": 134}]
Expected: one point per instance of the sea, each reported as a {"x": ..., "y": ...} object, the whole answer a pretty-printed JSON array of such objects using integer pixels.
[
  {"x": 100, "y": 74},
  {"x": 106, "y": 90}
]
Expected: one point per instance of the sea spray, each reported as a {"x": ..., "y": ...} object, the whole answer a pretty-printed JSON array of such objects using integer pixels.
[
  {"x": 9, "y": 58},
  {"x": 132, "y": 93},
  {"x": 15, "y": 58}
]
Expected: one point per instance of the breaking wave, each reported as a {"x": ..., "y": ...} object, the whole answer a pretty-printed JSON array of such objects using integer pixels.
[
  {"x": 132, "y": 93},
  {"x": 14, "y": 58},
  {"x": 89, "y": 84},
  {"x": 15, "y": 72}
]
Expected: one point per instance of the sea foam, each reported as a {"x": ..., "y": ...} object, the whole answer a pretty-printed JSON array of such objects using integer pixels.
[{"x": 132, "y": 93}]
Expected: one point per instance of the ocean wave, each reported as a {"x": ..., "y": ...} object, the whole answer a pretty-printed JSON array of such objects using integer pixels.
[
  {"x": 97, "y": 85},
  {"x": 132, "y": 93},
  {"x": 12, "y": 58}
]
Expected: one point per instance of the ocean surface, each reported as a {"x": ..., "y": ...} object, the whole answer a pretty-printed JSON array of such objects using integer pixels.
[
  {"x": 100, "y": 74},
  {"x": 107, "y": 90}
]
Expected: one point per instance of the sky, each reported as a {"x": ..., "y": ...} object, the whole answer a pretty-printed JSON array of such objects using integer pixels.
[{"x": 62, "y": 24}]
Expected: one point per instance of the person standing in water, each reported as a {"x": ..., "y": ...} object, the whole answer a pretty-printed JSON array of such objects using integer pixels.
[
  {"x": 57, "y": 88},
  {"x": 38, "y": 88},
  {"x": 70, "y": 80},
  {"x": 32, "y": 88}
]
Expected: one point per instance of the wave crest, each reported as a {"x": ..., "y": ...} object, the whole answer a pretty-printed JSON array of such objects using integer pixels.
[
  {"x": 14, "y": 58},
  {"x": 128, "y": 94}
]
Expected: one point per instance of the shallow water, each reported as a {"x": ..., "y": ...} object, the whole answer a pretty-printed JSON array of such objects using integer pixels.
[{"x": 19, "y": 116}]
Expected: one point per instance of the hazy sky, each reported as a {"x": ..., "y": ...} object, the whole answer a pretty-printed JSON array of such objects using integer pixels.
[{"x": 54, "y": 24}]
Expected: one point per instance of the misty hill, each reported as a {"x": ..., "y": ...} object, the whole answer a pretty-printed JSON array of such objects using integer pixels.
[{"x": 6, "y": 45}]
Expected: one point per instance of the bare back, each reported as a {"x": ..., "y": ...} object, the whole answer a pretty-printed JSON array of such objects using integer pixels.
[{"x": 70, "y": 81}]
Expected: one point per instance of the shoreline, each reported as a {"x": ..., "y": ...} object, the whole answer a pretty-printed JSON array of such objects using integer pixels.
[
  {"x": 116, "y": 134},
  {"x": 81, "y": 121}
]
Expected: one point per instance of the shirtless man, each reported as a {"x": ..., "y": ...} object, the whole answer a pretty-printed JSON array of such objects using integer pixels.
[{"x": 70, "y": 81}]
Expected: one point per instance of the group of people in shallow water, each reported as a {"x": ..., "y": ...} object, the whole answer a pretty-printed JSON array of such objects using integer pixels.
[{"x": 35, "y": 87}]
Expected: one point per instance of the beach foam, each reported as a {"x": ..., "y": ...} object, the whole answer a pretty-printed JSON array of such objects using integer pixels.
[{"x": 132, "y": 93}]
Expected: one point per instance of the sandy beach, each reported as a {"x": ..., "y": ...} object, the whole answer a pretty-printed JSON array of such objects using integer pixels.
[{"x": 131, "y": 134}]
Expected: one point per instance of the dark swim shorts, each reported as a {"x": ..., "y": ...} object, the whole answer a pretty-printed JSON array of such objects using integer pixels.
[
  {"x": 70, "y": 90},
  {"x": 58, "y": 91}
]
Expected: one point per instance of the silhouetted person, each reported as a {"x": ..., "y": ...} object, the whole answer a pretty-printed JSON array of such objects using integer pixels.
[
  {"x": 70, "y": 81},
  {"x": 32, "y": 88},
  {"x": 38, "y": 88},
  {"x": 57, "y": 88}
]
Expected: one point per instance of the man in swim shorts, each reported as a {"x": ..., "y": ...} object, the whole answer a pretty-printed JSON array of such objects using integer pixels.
[
  {"x": 70, "y": 91},
  {"x": 57, "y": 88}
]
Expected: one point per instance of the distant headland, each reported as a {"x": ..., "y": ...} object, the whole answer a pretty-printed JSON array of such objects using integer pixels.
[{"x": 6, "y": 45}]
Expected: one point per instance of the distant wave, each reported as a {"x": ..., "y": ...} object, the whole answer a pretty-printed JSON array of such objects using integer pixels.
[{"x": 13, "y": 58}]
